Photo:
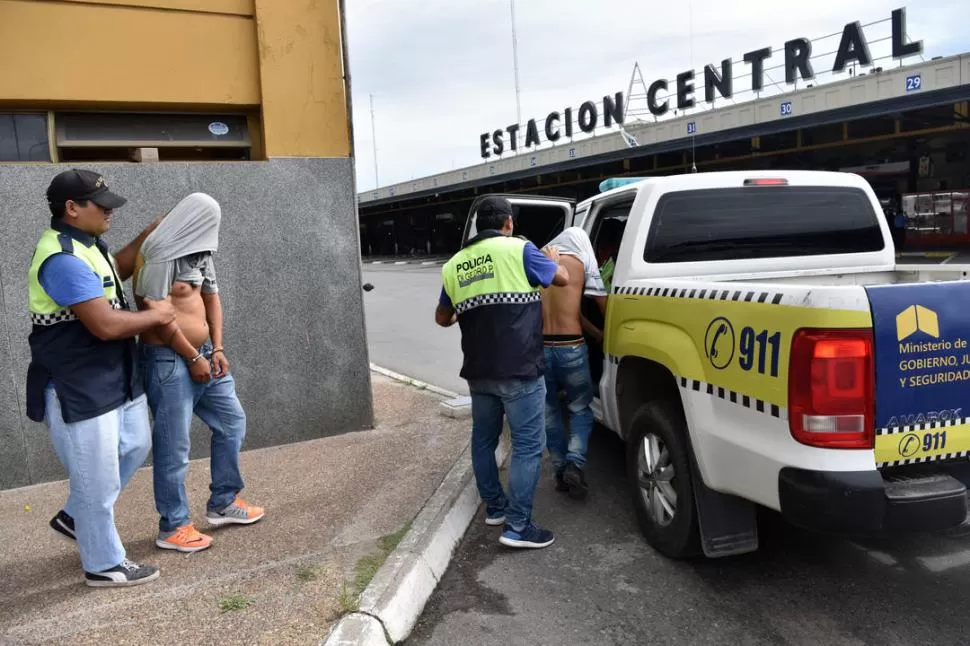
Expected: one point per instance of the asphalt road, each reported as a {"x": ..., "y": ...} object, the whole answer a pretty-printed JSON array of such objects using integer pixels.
[
  {"x": 401, "y": 333},
  {"x": 601, "y": 584}
]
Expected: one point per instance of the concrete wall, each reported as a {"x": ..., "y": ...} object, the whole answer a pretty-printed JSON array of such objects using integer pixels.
[{"x": 289, "y": 271}]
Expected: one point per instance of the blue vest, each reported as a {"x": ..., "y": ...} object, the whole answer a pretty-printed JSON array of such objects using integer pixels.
[{"x": 91, "y": 377}]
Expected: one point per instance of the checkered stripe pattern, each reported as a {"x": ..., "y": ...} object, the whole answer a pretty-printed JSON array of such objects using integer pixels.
[
  {"x": 738, "y": 295},
  {"x": 508, "y": 298},
  {"x": 63, "y": 315},
  {"x": 740, "y": 399},
  {"x": 927, "y": 426},
  {"x": 931, "y": 458}
]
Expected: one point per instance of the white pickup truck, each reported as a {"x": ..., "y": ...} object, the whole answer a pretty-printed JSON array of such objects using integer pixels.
[{"x": 762, "y": 348}]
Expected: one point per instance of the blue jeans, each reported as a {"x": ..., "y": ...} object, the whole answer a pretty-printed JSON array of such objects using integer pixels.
[
  {"x": 100, "y": 456},
  {"x": 521, "y": 401},
  {"x": 567, "y": 370},
  {"x": 173, "y": 397}
]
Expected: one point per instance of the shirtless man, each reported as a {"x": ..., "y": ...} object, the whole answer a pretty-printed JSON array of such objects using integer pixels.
[
  {"x": 186, "y": 371},
  {"x": 567, "y": 360}
]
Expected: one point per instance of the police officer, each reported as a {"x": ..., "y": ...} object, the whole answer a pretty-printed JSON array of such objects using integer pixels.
[
  {"x": 491, "y": 288},
  {"x": 82, "y": 380}
]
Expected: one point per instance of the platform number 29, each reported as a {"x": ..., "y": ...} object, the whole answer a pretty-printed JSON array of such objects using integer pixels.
[
  {"x": 914, "y": 83},
  {"x": 759, "y": 350}
]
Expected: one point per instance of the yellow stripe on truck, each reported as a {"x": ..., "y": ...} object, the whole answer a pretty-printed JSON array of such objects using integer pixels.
[
  {"x": 923, "y": 443},
  {"x": 741, "y": 343}
]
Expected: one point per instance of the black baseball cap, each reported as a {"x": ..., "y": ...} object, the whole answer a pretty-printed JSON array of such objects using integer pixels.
[
  {"x": 78, "y": 184},
  {"x": 494, "y": 205}
]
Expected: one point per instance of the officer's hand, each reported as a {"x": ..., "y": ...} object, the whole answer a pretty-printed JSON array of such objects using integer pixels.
[
  {"x": 552, "y": 253},
  {"x": 161, "y": 309},
  {"x": 201, "y": 371}
]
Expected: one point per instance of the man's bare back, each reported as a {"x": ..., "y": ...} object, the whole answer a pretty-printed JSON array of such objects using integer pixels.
[{"x": 561, "y": 305}]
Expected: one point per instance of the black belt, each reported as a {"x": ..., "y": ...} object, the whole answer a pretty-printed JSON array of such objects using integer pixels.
[{"x": 554, "y": 340}]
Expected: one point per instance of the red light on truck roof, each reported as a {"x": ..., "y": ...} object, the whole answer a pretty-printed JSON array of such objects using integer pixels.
[{"x": 766, "y": 182}]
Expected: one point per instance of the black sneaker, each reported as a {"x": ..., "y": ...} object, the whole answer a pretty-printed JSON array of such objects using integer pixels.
[
  {"x": 575, "y": 481},
  {"x": 532, "y": 537},
  {"x": 561, "y": 485},
  {"x": 63, "y": 525},
  {"x": 128, "y": 573}
]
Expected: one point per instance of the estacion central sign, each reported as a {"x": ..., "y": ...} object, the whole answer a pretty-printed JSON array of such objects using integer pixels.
[{"x": 853, "y": 48}]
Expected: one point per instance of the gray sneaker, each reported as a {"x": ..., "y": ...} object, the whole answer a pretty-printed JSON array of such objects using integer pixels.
[
  {"x": 237, "y": 513},
  {"x": 127, "y": 573}
]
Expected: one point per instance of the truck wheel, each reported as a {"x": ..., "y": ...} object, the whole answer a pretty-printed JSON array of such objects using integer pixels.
[{"x": 658, "y": 465}]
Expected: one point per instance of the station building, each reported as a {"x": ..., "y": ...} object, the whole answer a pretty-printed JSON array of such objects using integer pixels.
[
  {"x": 247, "y": 100},
  {"x": 901, "y": 122}
]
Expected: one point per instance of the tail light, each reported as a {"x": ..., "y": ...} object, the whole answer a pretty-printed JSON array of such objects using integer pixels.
[{"x": 831, "y": 389}]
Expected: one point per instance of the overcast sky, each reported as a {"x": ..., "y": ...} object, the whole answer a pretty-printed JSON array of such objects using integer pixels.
[{"x": 441, "y": 71}]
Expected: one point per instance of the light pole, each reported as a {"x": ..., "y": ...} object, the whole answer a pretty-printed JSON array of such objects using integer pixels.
[
  {"x": 515, "y": 64},
  {"x": 373, "y": 134}
]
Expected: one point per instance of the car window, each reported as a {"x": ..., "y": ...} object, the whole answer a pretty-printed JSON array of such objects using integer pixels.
[{"x": 762, "y": 222}]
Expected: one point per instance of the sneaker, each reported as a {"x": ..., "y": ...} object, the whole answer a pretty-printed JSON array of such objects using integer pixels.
[
  {"x": 238, "y": 513},
  {"x": 561, "y": 485},
  {"x": 533, "y": 537},
  {"x": 63, "y": 525},
  {"x": 575, "y": 481},
  {"x": 495, "y": 518},
  {"x": 128, "y": 573},
  {"x": 184, "y": 539}
]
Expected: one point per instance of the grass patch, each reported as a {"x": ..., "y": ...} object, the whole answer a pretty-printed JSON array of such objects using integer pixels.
[
  {"x": 348, "y": 600},
  {"x": 307, "y": 573},
  {"x": 390, "y": 542},
  {"x": 367, "y": 567},
  {"x": 235, "y": 602}
]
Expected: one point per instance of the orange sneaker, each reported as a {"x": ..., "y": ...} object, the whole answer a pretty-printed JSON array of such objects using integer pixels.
[
  {"x": 184, "y": 539},
  {"x": 238, "y": 513}
]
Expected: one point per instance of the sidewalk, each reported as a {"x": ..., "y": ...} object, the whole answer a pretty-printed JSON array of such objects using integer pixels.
[{"x": 335, "y": 507}]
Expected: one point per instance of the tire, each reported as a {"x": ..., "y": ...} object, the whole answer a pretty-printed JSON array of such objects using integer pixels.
[{"x": 676, "y": 536}]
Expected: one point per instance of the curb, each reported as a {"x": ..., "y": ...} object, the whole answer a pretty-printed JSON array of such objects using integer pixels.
[
  {"x": 393, "y": 601},
  {"x": 411, "y": 381}
]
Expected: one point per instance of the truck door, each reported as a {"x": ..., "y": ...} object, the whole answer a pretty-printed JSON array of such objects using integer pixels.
[
  {"x": 537, "y": 218},
  {"x": 605, "y": 224}
]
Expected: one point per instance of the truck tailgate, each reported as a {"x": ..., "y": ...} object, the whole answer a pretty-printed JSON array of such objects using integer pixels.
[{"x": 922, "y": 365}]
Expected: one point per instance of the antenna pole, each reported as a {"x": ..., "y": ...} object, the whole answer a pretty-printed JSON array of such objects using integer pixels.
[
  {"x": 693, "y": 136},
  {"x": 515, "y": 64},
  {"x": 373, "y": 132}
]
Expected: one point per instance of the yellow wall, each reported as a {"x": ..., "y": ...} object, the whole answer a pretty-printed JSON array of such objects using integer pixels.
[
  {"x": 82, "y": 52},
  {"x": 281, "y": 56},
  {"x": 239, "y": 7},
  {"x": 300, "y": 62}
]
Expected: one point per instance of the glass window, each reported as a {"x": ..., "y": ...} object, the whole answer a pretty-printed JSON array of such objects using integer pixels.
[
  {"x": 762, "y": 222},
  {"x": 151, "y": 130},
  {"x": 23, "y": 138}
]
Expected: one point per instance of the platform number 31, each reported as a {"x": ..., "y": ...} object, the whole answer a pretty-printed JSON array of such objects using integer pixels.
[{"x": 759, "y": 350}]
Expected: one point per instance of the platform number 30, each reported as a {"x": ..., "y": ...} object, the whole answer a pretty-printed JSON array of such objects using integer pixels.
[
  {"x": 759, "y": 350},
  {"x": 786, "y": 109}
]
